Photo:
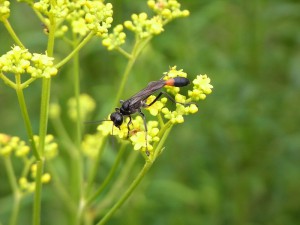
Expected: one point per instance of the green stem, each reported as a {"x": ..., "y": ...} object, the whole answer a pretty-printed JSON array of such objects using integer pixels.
[
  {"x": 119, "y": 183},
  {"x": 46, "y": 84},
  {"x": 124, "y": 79},
  {"x": 123, "y": 52},
  {"x": 38, "y": 14},
  {"x": 12, "y": 33},
  {"x": 26, "y": 119},
  {"x": 7, "y": 81},
  {"x": 14, "y": 185},
  {"x": 38, "y": 193},
  {"x": 76, "y": 50},
  {"x": 76, "y": 84},
  {"x": 63, "y": 135},
  {"x": 27, "y": 82},
  {"x": 109, "y": 176},
  {"x": 127, "y": 193},
  {"x": 11, "y": 174},
  {"x": 61, "y": 189},
  {"x": 166, "y": 130},
  {"x": 27, "y": 165},
  {"x": 45, "y": 98},
  {"x": 95, "y": 166},
  {"x": 76, "y": 185},
  {"x": 160, "y": 120},
  {"x": 163, "y": 133},
  {"x": 77, "y": 162},
  {"x": 138, "y": 47},
  {"x": 16, "y": 208}
]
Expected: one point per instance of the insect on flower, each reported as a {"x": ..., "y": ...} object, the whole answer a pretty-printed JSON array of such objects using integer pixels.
[{"x": 136, "y": 102}]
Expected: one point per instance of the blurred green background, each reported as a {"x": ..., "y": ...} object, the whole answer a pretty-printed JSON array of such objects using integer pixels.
[{"x": 235, "y": 162}]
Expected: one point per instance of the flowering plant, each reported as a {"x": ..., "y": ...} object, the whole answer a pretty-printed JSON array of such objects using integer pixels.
[{"x": 76, "y": 23}]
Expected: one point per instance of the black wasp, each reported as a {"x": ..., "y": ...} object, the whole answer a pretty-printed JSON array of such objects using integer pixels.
[{"x": 138, "y": 101}]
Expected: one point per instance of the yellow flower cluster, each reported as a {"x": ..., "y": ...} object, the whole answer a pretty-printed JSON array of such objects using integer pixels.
[
  {"x": 20, "y": 61},
  {"x": 4, "y": 9},
  {"x": 138, "y": 137},
  {"x": 91, "y": 144},
  {"x": 83, "y": 16},
  {"x": 143, "y": 25},
  {"x": 9, "y": 144},
  {"x": 201, "y": 88},
  {"x": 87, "y": 105},
  {"x": 115, "y": 39},
  {"x": 168, "y": 9},
  {"x": 136, "y": 132},
  {"x": 51, "y": 147},
  {"x": 27, "y": 185}
]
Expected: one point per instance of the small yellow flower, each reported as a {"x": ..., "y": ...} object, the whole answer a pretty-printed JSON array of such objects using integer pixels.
[
  {"x": 23, "y": 182},
  {"x": 15, "y": 61},
  {"x": 173, "y": 72},
  {"x": 91, "y": 143},
  {"x": 155, "y": 108},
  {"x": 201, "y": 88},
  {"x": 4, "y": 9},
  {"x": 115, "y": 39},
  {"x": 54, "y": 110},
  {"x": 6, "y": 150},
  {"x": 79, "y": 27},
  {"x": 143, "y": 26},
  {"x": 46, "y": 177},
  {"x": 42, "y": 66},
  {"x": 9, "y": 144},
  {"x": 33, "y": 170},
  {"x": 193, "y": 108},
  {"x": 167, "y": 9},
  {"x": 180, "y": 98},
  {"x": 87, "y": 105},
  {"x": 138, "y": 140},
  {"x": 30, "y": 187},
  {"x": 22, "y": 151},
  {"x": 51, "y": 147},
  {"x": 107, "y": 127}
]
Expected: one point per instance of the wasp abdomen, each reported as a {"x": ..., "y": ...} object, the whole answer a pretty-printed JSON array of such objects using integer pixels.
[{"x": 177, "y": 82}]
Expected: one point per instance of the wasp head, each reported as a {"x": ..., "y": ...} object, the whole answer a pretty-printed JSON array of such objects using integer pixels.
[{"x": 117, "y": 119}]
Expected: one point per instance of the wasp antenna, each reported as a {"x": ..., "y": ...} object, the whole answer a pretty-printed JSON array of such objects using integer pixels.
[{"x": 96, "y": 121}]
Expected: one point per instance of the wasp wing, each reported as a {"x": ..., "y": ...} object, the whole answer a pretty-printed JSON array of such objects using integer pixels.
[{"x": 146, "y": 92}]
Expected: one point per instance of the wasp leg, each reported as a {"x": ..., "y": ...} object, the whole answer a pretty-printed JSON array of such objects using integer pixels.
[
  {"x": 157, "y": 97},
  {"x": 169, "y": 97},
  {"x": 128, "y": 128},
  {"x": 146, "y": 131}
]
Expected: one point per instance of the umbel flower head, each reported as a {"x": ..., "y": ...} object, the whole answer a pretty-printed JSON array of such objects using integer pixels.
[
  {"x": 82, "y": 16},
  {"x": 10, "y": 144},
  {"x": 14, "y": 146},
  {"x": 166, "y": 115},
  {"x": 145, "y": 26},
  {"x": 21, "y": 61},
  {"x": 115, "y": 39}
]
